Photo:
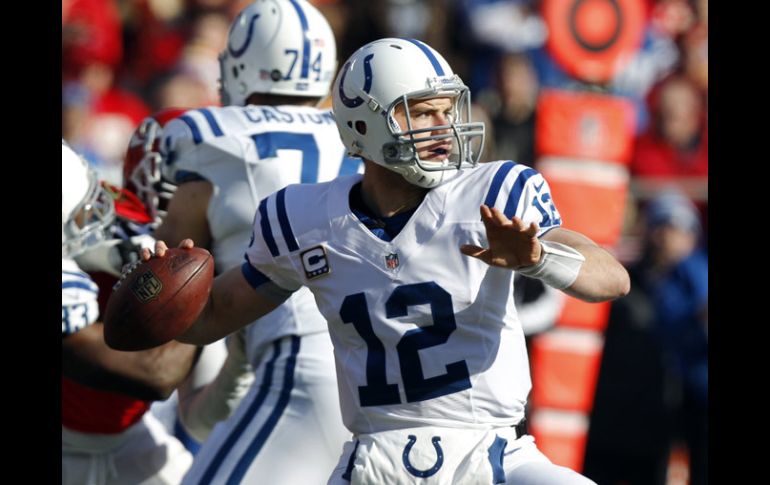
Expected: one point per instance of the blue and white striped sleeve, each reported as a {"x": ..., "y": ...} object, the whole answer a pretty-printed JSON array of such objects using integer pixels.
[
  {"x": 182, "y": 140},
  {"x": 518, "y": 190},
  {"x": 272, "y": 244}
]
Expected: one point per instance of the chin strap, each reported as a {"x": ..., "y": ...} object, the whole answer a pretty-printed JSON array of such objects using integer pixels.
[{"x": 558, "y": 267}]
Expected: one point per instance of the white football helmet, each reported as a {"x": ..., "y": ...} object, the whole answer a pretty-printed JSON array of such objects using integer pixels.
[
  {"x": 385, "y": 73},
  {"x": 87, "y": 210},
  {"x": 277, "y": 47}
]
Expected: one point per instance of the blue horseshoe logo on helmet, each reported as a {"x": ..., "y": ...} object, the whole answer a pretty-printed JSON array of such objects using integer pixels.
[
  {"x": 430, "y": 471},
  {"x": 239, "y": 51},
  {"x": 357, "y": 101}
]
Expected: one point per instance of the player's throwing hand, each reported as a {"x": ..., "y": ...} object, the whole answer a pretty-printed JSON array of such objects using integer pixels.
[{"x": 512, "y": 244}]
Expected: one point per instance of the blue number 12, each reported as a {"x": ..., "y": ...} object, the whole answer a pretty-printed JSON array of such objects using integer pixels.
[{"x": 417, "y": 387}]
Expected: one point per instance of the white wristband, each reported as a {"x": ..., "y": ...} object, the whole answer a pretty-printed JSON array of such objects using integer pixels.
[{"x": 558, "y": 267}]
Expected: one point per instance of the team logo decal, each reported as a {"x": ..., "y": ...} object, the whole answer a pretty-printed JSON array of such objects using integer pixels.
[
  {"x": 147, "y": 287},
  {"x": 430, "y": 471},
  {"x": 357, "y": 101},
  {"x": 238, "y": 52},
  {"x": 314, "y": 262},
  {"x": 391, "y": 261}
]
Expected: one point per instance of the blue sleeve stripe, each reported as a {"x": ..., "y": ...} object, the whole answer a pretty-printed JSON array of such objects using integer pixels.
[
  {"x": 283, "y": 219},
  {"x": 305, "y": 40},
  {"x": 212, "y": 121},
  {"x": 497, "y": 182},
  {"x": 79, "y": 274},
  {"x": 81, "y": 285},
  {"x": 433, "y": 60},
  {"x": 196, "y": 133},
  {"x": 281, "y": 404},
  {"x": 267, "y": 232},
  {"x": 251, "y": 411},
  {"x": 255, "y": 277},
  {"x": 516, "y": 191}
]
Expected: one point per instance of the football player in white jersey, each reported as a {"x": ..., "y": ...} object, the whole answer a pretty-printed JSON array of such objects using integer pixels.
[
  {"x": 415, "y": 285},
  {"x": 107, "y": 435},
  {"x": 278, "y": 65}
]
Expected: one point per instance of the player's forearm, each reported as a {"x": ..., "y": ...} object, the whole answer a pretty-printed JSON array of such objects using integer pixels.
[
  {"x": 601, "y": 276},
  {"x": 148, "y": 375},
  {"x": 232, "y": 304}
]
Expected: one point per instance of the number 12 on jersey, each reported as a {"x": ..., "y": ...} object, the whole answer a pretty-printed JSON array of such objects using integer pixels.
[{"x": 417, "y": 387}]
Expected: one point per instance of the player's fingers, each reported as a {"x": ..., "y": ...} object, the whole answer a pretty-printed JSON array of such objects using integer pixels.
[
  {"x": 518, "y": 224},
  {"x": 499, "y": 218},
  {"x": 186, "y": 243},
  {"x": 145, "y": 254},
  {"x": 160, "y": 248},
  {"x": 486, "y": 214},
  {"x": 532, "y": 229}
]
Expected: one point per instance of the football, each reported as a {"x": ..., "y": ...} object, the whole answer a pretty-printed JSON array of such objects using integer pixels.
[{"x": 159, "y": 299}]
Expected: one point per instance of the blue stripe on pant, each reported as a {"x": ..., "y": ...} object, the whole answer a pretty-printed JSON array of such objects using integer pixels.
[
  {"x": 251, "y": 412},
  {"x": 269, "y": 426}
]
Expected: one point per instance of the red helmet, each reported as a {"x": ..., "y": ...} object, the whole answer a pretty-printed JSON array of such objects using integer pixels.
[{"x": 141, "y": 167}]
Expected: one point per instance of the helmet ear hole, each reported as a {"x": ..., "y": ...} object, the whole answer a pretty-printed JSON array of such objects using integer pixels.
[{"x": 361, "y": 127}]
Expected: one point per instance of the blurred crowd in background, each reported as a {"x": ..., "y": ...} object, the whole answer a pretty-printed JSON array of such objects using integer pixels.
[{"x": 610, "y": 96}]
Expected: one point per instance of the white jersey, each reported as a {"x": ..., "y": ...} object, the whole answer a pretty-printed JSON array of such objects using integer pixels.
[
  {"x": 422, "y": 334},
  {"x": 248, "y": 153},
  {"x": 79, "y": 307}
]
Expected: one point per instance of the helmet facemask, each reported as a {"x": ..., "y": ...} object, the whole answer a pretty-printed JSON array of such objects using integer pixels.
[
  {"x": 467, "y": 137},
  {"x": 145, "y": 179},
  {"x": 88, "y": 222}
]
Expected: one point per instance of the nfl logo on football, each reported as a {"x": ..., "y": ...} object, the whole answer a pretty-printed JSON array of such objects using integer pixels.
[
  {"x": 391, "y": 261},
  {"x": 147, "y": 287}
]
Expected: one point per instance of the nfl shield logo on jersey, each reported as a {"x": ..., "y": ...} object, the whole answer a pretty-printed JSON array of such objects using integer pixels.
[{"x": 391, "y": 261}]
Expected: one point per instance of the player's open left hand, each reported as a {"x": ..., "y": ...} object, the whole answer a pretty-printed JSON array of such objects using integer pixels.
[
  {"x": 160, "y": 249},
  {"x": 512, "y": 243}
]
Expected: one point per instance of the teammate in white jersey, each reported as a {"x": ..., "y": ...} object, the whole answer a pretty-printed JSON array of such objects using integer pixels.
[
  {"x": 107, "y": 435},
  {"x": 278, "y": 65},
  {"x": 415, "y": 286}
]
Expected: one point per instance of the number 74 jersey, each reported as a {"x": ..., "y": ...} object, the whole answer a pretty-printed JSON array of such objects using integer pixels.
[{"x": 422, "y": 334}]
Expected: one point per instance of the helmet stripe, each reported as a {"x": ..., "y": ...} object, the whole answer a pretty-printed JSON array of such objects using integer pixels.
[
  {"x": 431, "y": 57},
  {"x": 305, "y": 40}
]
